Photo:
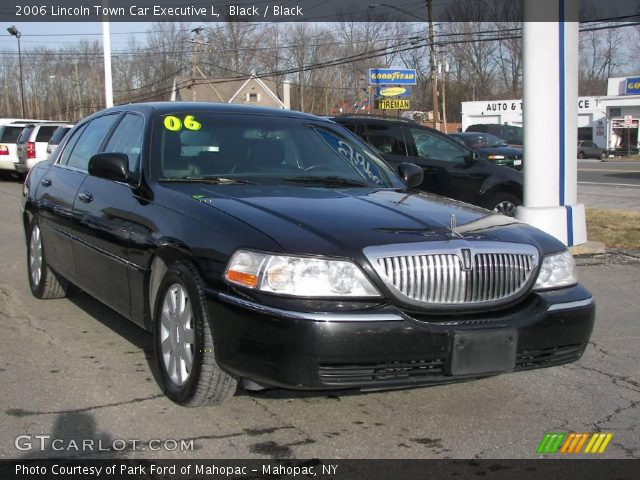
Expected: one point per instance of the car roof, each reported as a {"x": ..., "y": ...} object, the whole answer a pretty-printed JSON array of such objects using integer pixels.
[
  {"x": 373, "y": 119},
  {"x": 160, "y": 108}
]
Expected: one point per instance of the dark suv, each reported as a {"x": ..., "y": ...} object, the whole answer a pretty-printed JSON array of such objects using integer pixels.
[{"x": 450, "y": 169}]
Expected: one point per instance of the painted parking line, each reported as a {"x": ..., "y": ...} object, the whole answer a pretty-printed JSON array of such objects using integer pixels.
[
  {"x": 611, "y": 184},
  {"x": 607, "y": 170}
]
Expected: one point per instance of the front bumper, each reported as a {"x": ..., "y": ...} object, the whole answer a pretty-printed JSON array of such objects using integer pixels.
[{"x": 385, "y": 347}]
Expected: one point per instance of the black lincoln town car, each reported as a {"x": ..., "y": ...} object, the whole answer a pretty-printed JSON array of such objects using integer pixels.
[{"x": 274, "y": 248}]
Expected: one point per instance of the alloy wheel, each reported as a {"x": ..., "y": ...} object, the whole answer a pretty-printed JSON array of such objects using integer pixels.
[
  {"x": 35, "y": 255},
  {"x": 506, "y": 208},
  {"x": 177, "y": 335}
]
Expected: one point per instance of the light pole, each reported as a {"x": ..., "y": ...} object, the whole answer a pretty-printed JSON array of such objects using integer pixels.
[{"x": 16, "y": 33}]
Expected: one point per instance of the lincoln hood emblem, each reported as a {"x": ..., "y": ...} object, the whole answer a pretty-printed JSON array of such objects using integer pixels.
[{"x": 466, "y": 259}]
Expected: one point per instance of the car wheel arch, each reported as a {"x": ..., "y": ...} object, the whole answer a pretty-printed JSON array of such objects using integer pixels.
[
  {"x": 502, "y": 188},
  {"x": 162, "y": 259}
]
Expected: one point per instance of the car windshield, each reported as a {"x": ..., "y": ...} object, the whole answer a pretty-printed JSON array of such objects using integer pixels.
[{"x": 264, "y": 149}]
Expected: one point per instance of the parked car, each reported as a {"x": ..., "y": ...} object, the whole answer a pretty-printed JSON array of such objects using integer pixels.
[
  {"x": 9, "y": 134},
  {"x": 588, "y": 149},
  {"x": 512, "y": 134},
  {"x": 450, "y": 169},
  {"x": 285, "y": 251},
  {"x": 57, "y": 137},
  {"x": 32, "y": 144},
  {"x": 491, "y": 148}
]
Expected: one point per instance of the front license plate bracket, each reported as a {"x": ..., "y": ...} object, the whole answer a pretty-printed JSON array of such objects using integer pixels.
[{"x": 483, "y": 352}]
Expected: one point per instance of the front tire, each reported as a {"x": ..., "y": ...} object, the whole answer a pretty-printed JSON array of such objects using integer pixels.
[
  {"x": 44, "y": 282},
  {"x": 580, "y": 155},
  {"x": 183, "y": 342},
  {"x": 504, "y": 203}
]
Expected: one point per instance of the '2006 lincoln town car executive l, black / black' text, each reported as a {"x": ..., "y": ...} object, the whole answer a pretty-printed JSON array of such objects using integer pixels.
[{"x": 275, "y": 248}]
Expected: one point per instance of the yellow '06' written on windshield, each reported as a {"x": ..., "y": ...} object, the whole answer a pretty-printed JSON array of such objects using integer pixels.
[{"x": 175, "y": 124}]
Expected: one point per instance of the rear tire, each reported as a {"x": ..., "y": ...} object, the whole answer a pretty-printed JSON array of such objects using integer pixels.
[
  {"x": 504, "y": 203},
  {"x": 183, "y": 342},
  {"x": 581, "y": 155},
  {"x": 603, "y": 156},
  {"x": 44, "y": 282}
]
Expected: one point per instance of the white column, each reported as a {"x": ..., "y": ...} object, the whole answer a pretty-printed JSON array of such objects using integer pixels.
[
  {"x": 106, "y": 43},
  {"x": 550, "y": 115}
]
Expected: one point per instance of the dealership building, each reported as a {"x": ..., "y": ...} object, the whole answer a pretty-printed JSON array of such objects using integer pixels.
[{"x": 610, "y": 121}]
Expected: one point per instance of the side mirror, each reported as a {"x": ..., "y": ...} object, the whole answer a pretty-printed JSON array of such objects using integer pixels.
[
  {"x": 110, "y": 166},
  {"x": 411, "y": 173}
]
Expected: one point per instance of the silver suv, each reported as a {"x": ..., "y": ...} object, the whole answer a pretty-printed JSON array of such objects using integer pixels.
[{"x": 32, "y": 144}]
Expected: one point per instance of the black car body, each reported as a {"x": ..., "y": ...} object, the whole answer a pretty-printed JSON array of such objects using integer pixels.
[
  {"x": 491, "y": 148},
  {"x": 274, "y": 246},
  {"x": 450, "y": 169},
  {"x": 512, "y": 134}
]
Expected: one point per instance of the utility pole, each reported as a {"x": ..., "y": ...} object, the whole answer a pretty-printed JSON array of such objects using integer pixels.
[
  {"x": 194, "y": 60},
  {"x": 16, "y": 33},
  {"x": 75, "y": 63},
  {"x": 106, "y": 45},
  {"x": 432, "y": 60},
  {"x": 444, "y": 69}
]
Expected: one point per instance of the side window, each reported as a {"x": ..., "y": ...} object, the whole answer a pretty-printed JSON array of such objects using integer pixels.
[
  {"x": 387, "y": 139},
  {"x": 89, "y": 141},
  {"x": 68, "y": 148},
  {"x": 44, "y": 133},
  {"x": 431, "y": 145},
  {"x": 127, "y": 139}
]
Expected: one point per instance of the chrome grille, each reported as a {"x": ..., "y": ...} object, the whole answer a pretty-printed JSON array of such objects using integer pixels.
[{"x": 496, "y": 272}]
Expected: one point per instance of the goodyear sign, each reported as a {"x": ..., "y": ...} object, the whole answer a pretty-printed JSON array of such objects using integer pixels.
[
  {"x": 393, "y": 104},
  {"x": 633, "y": 86},
  {"x": 386, "y": 92},
  {"x": 392, "y": 76}
]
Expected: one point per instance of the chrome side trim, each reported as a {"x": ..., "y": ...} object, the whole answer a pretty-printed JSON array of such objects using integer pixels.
[
  {"x": 569, "y": 305},
  {"x": 314, "y": 316}
]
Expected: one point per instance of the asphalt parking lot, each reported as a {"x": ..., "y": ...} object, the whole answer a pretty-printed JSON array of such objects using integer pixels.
[{"x": 75, "y": 370}]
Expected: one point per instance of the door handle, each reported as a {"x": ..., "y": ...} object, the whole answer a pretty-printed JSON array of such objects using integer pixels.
[
  {"x": 45, "y": 182},
  {"x": 85, "y": 197}
]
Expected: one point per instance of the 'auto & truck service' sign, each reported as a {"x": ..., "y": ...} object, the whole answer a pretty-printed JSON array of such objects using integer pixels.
[{"x": 392, "y": 76}]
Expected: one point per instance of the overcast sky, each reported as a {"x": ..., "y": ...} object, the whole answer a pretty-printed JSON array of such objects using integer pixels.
[{"x": 48, "y": 33}]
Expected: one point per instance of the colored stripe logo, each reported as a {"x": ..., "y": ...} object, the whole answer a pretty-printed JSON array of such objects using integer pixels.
[{"x": 558, "y": 442}]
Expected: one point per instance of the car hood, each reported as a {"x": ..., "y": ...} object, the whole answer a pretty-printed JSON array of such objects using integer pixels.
[{"x": 340, "y": 222}]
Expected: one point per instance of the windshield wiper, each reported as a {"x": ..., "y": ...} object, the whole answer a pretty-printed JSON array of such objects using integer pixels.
[
  {"x": 331, "y": 181},
  {"x": 210, "y": 180}
]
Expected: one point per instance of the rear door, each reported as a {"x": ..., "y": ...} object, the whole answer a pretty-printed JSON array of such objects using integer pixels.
[
  {"x": 104, "y": 212},
  {"x": 56, "y": 194},
  {"x": 446, "y": 165}
]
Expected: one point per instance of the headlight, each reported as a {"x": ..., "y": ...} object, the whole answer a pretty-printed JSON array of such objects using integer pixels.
[
  {"x": 299, "y": 276},
  {"x": 496, "y": 157},
  {"x": 557, "y": 270}
]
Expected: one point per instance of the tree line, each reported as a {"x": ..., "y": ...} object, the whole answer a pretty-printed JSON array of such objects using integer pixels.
[{"x": 326, "y": 64}]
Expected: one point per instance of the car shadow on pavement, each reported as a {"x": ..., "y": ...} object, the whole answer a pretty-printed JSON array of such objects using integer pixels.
[{"x": 128, "y": 330}]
